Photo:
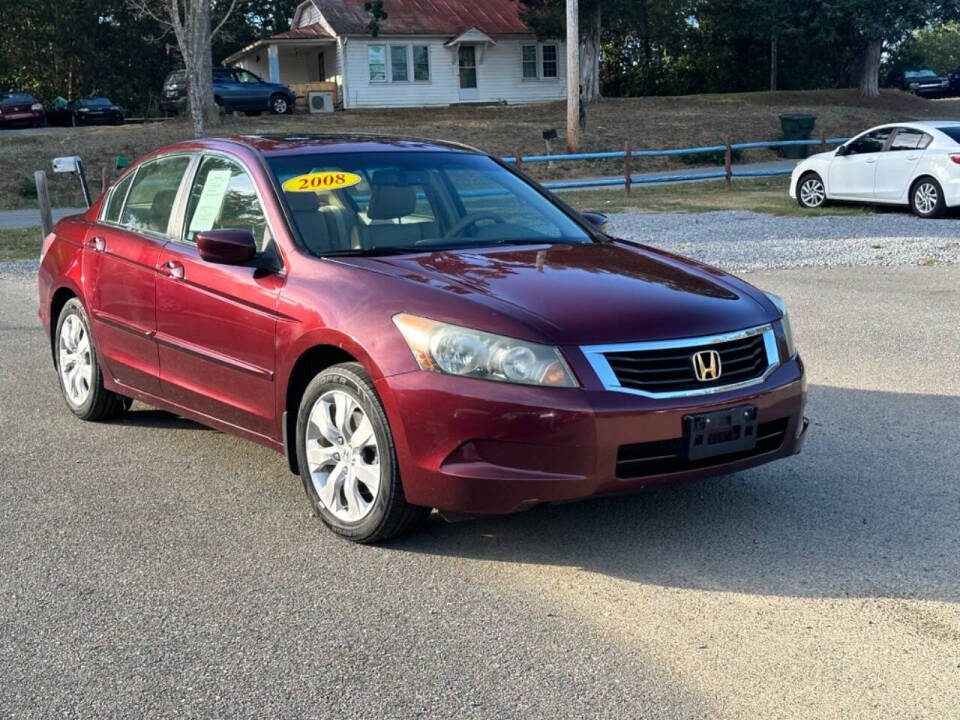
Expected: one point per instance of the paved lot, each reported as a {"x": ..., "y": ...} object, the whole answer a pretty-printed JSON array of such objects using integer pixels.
[{"x": 152, "y": 567}]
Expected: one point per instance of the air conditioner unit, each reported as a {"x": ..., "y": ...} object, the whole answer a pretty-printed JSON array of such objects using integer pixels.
[{"x": 320, "y": 101}]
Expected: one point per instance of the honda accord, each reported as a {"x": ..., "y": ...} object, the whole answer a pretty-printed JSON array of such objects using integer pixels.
[{"x": 414, "y": 325}]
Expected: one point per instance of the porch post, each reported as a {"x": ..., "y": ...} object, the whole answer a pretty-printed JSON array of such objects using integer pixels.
[{"x": 273, "y": 62}]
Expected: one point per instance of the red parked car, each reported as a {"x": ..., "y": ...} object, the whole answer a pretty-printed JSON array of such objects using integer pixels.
[
  {"x": 20, "y": 109},
  {"x": 414, "y": 325}
]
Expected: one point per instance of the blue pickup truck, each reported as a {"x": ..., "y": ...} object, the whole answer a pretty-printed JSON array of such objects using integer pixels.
[{"x": 233, "y": 89}]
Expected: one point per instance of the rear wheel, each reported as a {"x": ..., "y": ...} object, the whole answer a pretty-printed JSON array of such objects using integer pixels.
[
  {"x": 811, "y": 192},
  {"x": 78, "y": 368},
  {"x": 279, "y": 104},
  {"x": 926, "y": 198},
  {"x": 347, "y": 460}
]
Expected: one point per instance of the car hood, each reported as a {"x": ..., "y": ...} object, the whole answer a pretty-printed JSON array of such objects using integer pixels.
[{"x": 589, "y": 293}]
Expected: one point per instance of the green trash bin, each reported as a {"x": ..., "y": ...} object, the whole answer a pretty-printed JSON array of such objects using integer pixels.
[{"x": 796, "y": 126}]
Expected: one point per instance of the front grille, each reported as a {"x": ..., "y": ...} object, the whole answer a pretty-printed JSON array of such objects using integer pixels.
[
  {"x": 666, "y": 456},
  {"x": 671, "y": 369}
]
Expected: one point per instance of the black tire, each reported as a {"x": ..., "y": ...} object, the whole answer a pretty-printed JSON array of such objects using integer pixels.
[
  {"x": 279, "y": 104},
  {"x": 391, "y": 515},
  {"x": 100, "y": 403},
  {"x": 926, "y": 198},
  {"x": 812, "y": 182}
]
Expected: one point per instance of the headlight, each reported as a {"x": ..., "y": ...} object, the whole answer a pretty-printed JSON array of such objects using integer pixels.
[
  {"x": 36, "y": 106},
  {"x": 453, "y": 350},
  {"x": 83, "y": 110},
  {"x": 784, "y": 322}
]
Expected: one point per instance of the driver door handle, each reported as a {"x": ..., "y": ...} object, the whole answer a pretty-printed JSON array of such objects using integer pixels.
[
  {"x": 97, "y": 244},
  {"x": 172, "y": 269},
  {"x": 870, "y": 161}
]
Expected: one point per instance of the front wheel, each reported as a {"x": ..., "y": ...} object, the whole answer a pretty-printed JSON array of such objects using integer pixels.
[
  {"x": 279, "y": 104},
  {"x": 926, "y": 198},
  {"x": 347, "y": 460},
  {"x": 811, "y": 193},
  {"x": 78, "y": 368}
]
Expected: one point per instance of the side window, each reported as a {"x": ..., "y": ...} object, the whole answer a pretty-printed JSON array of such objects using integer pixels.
[
  {"x": 223, "y": 197},
  {"x": 530, "y": 62},
  {"x": 377, "y": 58},
  {"x": 870, "y": 143},
  {"x": 152, "y": 194},
  {"x": 398, "y": 63},
  {"x": 550, "y": 61},
  {"x": 117, "y": 196},
  {"x": 924, "y": 141},
  {"x": 421, "y": 62},
  {"x": 907, "y": 140}
]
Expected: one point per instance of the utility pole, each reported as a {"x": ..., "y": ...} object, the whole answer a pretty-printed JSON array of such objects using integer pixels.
[{"x": 573, "y": 76}]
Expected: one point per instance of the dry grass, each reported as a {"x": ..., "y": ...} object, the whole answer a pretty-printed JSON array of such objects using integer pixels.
[
  {"x": 20, "y": 244},
  {"x": 649, "y": 123}
]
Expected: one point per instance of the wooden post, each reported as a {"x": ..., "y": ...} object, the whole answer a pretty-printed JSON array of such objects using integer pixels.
[
  {"x": 727, "y": 161},
  {"x": 823, "y": 142},
  {"x": 626, "y": 166},
  {"x": 573, "y": 77},
  {"x": 43, "y": 199},
  {"x": 519, "y": 157}
]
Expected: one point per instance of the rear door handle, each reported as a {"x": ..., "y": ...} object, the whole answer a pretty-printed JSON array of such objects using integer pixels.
[
  {"x": 914, "y": 157},
  {"x": 172, "y": 270},
  {"x": 97, "y": 244},
  {"x": 870, "y": 162}
]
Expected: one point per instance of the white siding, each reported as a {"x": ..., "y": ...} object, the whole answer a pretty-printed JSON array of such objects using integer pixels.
[{"x": 499, "y": 76}]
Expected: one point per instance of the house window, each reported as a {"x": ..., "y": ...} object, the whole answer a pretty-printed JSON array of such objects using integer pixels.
[
  {"x": 421, "y": 62},
  {"x": 529, "y": 62},
  {"x": 377, "y": 56},
  {"x": 398, "y": 63},
  {"x": 549, "y": 61}
]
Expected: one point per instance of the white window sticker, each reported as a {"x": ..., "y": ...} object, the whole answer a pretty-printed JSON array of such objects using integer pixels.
[{"x": 211, "y": 200}]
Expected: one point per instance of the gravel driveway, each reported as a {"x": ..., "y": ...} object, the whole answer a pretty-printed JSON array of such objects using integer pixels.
[{"x": 740, "y": 241}]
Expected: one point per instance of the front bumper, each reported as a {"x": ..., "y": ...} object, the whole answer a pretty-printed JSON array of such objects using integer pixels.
[
  {"x": 475, "y": 446},
  {"x": 26, "y": 117}
]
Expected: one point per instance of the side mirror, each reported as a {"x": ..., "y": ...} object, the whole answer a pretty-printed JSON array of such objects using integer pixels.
[
  {"x": 228, "y": 247},
  {"x": 841, "y": 151},
  {"x": 596, "y": 219}
]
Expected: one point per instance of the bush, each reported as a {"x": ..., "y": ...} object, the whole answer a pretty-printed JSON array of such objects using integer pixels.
[{"x": 27, "y": 188}]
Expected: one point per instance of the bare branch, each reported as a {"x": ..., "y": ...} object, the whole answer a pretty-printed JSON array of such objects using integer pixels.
[{"x": 233, "y": 4}]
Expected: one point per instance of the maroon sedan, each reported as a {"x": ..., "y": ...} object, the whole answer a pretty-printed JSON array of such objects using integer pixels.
[
  {"x": 413, "y": 325},
  {"x": 20, "y": 109}
]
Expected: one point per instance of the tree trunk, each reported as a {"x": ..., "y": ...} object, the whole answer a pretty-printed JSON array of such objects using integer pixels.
[
  {"x": 774, "y": 53},
  {"x": 590, "y": 57},
  {"x": 573, "y": 77},
  {"x": 203, "y": 62},
  {"x": 870, "y": 79}
]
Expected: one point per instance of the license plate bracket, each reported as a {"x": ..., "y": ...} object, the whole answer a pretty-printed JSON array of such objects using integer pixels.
[{"x": 720, "y": 432}]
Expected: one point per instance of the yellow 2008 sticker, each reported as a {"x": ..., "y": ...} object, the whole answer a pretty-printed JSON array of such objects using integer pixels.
[{"x": 312, "y": 182}]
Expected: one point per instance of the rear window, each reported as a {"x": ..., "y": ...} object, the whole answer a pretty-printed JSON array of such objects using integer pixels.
[{"x": 952, "y": 132}]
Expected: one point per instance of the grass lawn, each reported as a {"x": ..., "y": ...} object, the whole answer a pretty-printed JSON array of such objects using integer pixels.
[
  {"x": 764, "y": 195},
  {"x": 649, "y": 123},
  {"x": 20, "y": 244}
]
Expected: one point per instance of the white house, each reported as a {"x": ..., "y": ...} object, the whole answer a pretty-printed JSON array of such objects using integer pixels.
[{"x": 428, "y": 52}]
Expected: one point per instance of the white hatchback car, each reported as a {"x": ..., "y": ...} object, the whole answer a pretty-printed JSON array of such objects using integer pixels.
[{"x": 912, "y": 163}]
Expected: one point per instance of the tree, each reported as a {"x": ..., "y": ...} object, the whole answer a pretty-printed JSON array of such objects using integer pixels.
[
  {"x": 547, "y": 18},
  {"x": 190, "y": 22}
]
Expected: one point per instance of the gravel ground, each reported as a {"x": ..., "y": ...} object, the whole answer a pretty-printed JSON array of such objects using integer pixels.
[
  {"x": 154, "y": 568},
  {"x": 739, "y": 241}
]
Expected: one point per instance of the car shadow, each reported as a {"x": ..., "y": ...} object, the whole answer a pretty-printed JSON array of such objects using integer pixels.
[
  {"x": 871, "y": 508},
  {"x": 148, "y": 417}
]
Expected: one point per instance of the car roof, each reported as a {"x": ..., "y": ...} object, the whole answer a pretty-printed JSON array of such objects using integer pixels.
[
  {"x": 289, "y": 144},
  {"x": 916, "y": 124}
]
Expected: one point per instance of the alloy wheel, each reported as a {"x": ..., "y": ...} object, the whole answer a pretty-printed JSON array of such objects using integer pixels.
[
  {"x": 925, "y": 197},
  {"x": 812, "y": 193},
  {"x": 343, "y": 456},
  {"x": 75, "y": 360},
  {"x": 280, "y": 106}
]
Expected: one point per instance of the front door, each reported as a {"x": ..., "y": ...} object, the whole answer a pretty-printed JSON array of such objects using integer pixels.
[
  {"x": 216, "y": 324},
  {"x": 853, "y": 174},
  {"x": 896, "y": 165},
  {"x": 468, "y": 72},
  {"x": 120, "y": 260}
]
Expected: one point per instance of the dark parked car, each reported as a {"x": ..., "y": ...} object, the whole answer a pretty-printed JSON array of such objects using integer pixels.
[
  {"x": 86, "y": 111},
  {"x": 234, "y": 89},
  {"x": 412, "y": 324},
  {"x": 20, "y": 109},
  {"x": 924, "y": 82}
]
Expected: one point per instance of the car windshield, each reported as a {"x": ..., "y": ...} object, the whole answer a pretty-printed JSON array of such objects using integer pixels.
[
  {"x": 17, "y": 97},
  {"x": 919, "y": 74},
  {"x": 952, "y": 132},
  {"x": 377, "y": 203},
  {"x": 93, "y": 102}
]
